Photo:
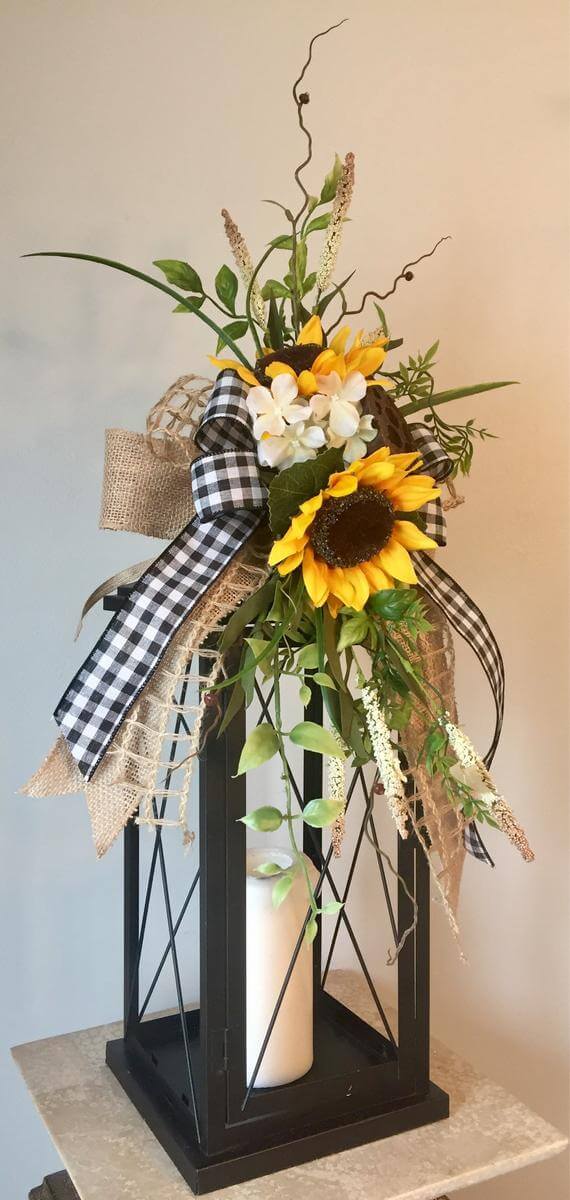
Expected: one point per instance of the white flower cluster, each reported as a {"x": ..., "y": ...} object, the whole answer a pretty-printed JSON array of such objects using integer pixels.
[
  {"x": 290, "y": 428},
  {"x": 386, "y": 758},
  {"x": 471, "y": 771}
]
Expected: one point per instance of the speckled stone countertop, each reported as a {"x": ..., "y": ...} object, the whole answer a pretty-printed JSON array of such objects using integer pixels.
[{"x": 112, "y": 1155}]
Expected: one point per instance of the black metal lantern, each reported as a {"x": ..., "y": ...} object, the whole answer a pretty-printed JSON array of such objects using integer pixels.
[{"x": 186, "y": 1071}]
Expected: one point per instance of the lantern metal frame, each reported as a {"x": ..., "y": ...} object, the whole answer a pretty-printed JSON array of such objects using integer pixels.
[{"x": 186, "y": 1071}]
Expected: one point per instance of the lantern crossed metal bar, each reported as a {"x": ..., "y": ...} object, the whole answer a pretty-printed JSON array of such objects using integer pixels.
[{"x": 186, "y": 1071}]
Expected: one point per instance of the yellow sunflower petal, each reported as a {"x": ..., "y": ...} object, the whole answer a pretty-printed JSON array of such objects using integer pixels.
[
  {"x": 367, "y": 360},
  {"x": 334, "y": 606},
  {"x": 231, "y": 364},
  {"x": 374, "y": 474},
  {"x": 377, "y": 577},
  {"x": 404, "y": 461},
  {"x": 383, "y": 382},
  {"x": 279, "y": 368},
  {"x": 289, "y": 544},
  {"x": 380, "y": 455},
  {"x": 307, "y": 383},
  {"x": 340, "y": 339},
  {"x": 291, "y": 563},
  {"x": 360, "y": 585},
  {"x": 300, "y": 523},
  {"x": 396, "y": 561},
  {"x": 315, "y": 578},
  {"x": 311, "y": 332},
  {"x": 322, "y": 361},
  {"x": 340, "y": 586},
  {"x": 406, "y": 498},
  {"x": 312, "y": 505},
  {"x": 412, "y": 538},
  {"x": 341, "y": 484}
]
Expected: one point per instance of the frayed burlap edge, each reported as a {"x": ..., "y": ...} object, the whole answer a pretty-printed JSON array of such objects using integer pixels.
[
  {"x": 132, "y": 772},
  {"x": 442, "y": 823}
]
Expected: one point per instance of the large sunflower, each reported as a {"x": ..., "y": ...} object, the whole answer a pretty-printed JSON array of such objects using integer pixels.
[
  {"x": 350, "y": 539},
  {"x": 306, "y": 361}
]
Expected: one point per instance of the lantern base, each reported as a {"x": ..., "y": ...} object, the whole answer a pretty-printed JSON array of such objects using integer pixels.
[{"x": 204, "y": 1173}]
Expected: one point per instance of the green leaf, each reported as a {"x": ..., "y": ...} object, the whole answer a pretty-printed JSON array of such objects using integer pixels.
[
  {"x": 233, "y": 706},
  {"x": 269, "y": 869},
  {"x": 283, "y": 242},
  {"x": 324, "y": 680},
  {"x": 308, "y": 657},
  {"x": 392, "y": 604},
  {"x": 298, "y": 483},
  {"x": 353, "y": 631},
  {"x": 197, "y": 301},
  {"x": 274, "y": 325},
  {"x": 328, "y": 190},
  {"x": 301, "y": 261},
  {"x": 226, "y": 287},
  {"x": 260, "y": 746},
  {"x": 332, "y": 907},
  {"x": 320, "y": 222},
  {"x": 304, "y": 694},
  {"x": 247, "y": 612},
  {"x": 311, "y": 930},
  {"x": 236, "y": 330},
  {"x": 181, "y": 274},
  {"x": 382, "y": 320},
  {"x": 273, "y": 288},
  {"x": 455, "y": 394},
  {"x": 281, "y": 890},
  {"x": 313, "y": 737},
  {"x": 265, "y": 819},
  {"x": 320, "y": 813},
  {"x": 309, "y": 283}
]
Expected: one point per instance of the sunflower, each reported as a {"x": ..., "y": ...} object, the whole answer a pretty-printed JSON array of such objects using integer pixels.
[
  {"x": 306, "y": 361},
  {"x": 351, "y": 540}
]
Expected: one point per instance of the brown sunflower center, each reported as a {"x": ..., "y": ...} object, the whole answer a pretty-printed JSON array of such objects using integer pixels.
[
  {"x": 351, "y": 529},
  {"x": 300, "y": 358}
]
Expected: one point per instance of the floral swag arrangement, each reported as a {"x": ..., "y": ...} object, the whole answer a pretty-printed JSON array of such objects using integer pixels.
[{"x": 304, "y": 534}]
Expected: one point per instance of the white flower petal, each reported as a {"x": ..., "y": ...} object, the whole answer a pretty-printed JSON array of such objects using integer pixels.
[
  {"x": 296, "y": 412},
  {"x": 320, "y": 405},
  {"x": 344, "y": 418},
  {"x": 302, "y": 454},
  {"x": 354, "y": 448},
  {"x": 329, "y": 385},
  {"x": 259, "y": 400},
  {"x": 313, "y": 437},
  {"x": 273, "y": 451},
  {"x": 269, "y": 422},
  {"x": 284, "y": 389},
  {"x": 354, "y": 387}
]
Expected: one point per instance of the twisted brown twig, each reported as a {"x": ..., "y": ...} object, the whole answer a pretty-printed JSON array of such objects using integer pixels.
[{"x": 405, "y": 273}]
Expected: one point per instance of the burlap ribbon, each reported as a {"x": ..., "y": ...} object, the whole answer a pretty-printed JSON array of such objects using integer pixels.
[{"x": 146, "y": 489}]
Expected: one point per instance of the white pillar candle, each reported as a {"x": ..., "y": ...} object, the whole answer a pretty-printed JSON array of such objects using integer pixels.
[{"x": 271, "y": 937}]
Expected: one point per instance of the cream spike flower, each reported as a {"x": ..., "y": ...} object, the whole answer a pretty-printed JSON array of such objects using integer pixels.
[
  {"x": 244, "y": 264},
  {"x": 472, "y": 764},
  {"x": 336, "y": 791},
  {"x": 340, "y": 208},
  {"x": 386, "y": 758}
]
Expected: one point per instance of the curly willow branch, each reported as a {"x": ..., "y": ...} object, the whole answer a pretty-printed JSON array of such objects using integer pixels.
[
  {"x": 300, "y": 100},
  {"x": 405, "y": 273}
]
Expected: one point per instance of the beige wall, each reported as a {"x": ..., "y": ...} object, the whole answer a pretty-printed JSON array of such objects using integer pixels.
[{"x": 131, "y": 124}]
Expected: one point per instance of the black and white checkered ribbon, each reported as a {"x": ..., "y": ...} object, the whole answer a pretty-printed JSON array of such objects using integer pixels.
[
  {"x": 229, "y": 499},
  {"x": 461, "y": 611}
]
